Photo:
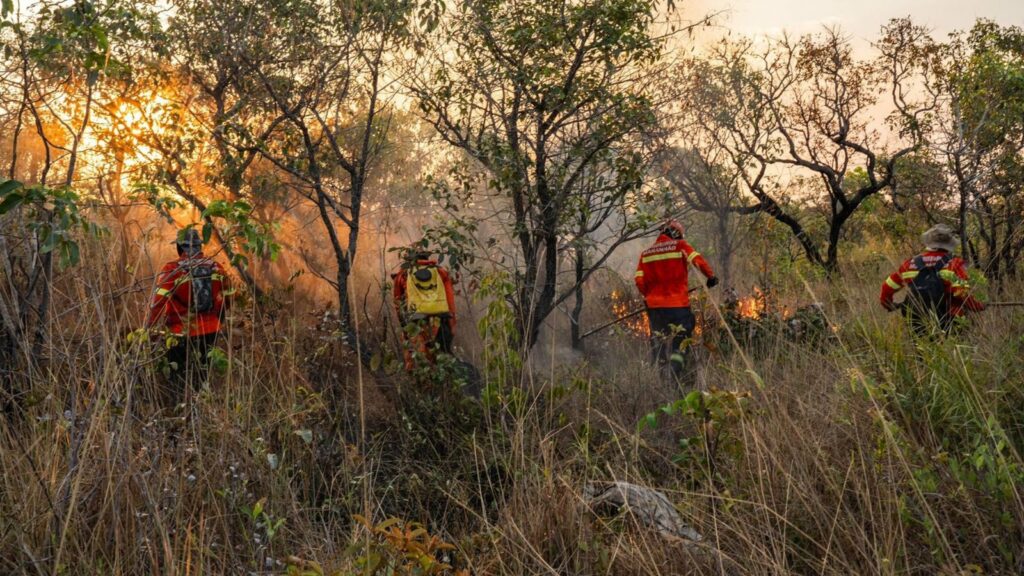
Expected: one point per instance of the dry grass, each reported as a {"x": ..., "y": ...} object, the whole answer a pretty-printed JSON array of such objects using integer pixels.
[{"x": 861, "y": 454}]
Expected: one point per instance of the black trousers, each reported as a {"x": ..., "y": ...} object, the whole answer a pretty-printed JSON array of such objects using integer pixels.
[
  {"x": 188, "y": 364},
  {"x": 443, "y": 340},
  {"x": 427, "y": 337},
  {"x": 670, "y": 327},
  {"x": 926, "y": 323}
]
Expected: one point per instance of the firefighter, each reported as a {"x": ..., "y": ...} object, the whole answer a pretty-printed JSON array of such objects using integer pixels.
[
  {"x": 189, "y": 301},
  {"x": 937, "y": 283},
  {"x": 662, "y": 278},
  {"x": 425, "y": 301}
]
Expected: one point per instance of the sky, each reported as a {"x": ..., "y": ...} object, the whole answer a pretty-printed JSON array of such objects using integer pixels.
[{"x": 860, "y": 18}]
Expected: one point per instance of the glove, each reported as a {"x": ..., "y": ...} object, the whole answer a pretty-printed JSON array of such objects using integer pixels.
[{"x": 712, "y": 282}]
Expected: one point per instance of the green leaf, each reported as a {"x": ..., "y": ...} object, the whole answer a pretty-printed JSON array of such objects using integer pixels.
[
  {"x": 48, "y": 240},
  {"x": 10, "y": 202},
  {"x": 218, "y": 360},
  {"x": 70, "y": 254},
  {"x": 648, "y": 421},
  {"x": 693, "y": 400},
  {"x": 101, "y": 38},
  {"x": 9, "y": 186}
]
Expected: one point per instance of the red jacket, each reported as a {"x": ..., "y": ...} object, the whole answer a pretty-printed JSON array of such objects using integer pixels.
[
  {"x": 662, "y": 273},
  {"x": 401, "y": 281},
  {"x": 953, "y": 275},
  {"x": 173, "y": 294}
]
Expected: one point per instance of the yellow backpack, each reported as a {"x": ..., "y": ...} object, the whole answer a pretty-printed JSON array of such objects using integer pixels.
[{"x": 425, "y": 293}]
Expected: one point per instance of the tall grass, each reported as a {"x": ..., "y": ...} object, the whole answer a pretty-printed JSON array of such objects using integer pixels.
[{"x": 865, "y": 452}]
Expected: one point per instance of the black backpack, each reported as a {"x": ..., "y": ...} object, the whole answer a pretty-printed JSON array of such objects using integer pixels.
[
  {"x": 202, "y": 288},
  {"x": 927, "y": 290}
]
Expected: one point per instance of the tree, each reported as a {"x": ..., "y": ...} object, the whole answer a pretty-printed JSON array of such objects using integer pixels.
[
  {"x": 327, "y": 82},
  {"x": 977, "y": 79},
  {"x": 64, "y": 59},
  {"x": 549, "y": 100},
  {"x": 807, "y": 106},
  {"x": 205, "y": 101},
  {"x": 708, "y": 184}
]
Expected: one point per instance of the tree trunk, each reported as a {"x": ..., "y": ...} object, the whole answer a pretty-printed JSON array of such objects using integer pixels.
[
  {"x": 12, "y": 171},
  {"x": 724, "y": 248},
  {"x": 962, "y": 225},
  {"x": 42, "y": 311},
  {"x": 772, "y": 208},
  {"x": 577, "y": 308},
  {"x": 545, "y": 302}
]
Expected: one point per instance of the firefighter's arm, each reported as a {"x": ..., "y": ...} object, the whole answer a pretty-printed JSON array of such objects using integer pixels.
[
  {"x": 893, "y": 284},
  {"x": 695, "y": 258},
  {"x": 449, "y": 294},
  {"x": 641, "y": 285},
  {"x": 960, "y": 286},
  {"x": 165, "y": 284},
  {"x": 398, "y": 290}
]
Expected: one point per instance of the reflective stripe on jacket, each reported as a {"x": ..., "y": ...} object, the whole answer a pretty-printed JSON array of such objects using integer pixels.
[
  {"x": 662, "y": 273},
  {"x": 953, "y": 275}
]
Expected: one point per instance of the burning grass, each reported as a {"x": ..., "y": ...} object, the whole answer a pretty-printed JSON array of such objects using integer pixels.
[
  {"x": 626, "y": 307},
  {"x": 752, "y": 307},
  {"x": 759, "y": 312}
]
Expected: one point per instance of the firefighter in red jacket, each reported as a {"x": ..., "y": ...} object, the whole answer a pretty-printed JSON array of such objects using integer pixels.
[
  {"x": 425, "y": 302},
  {"x": 189, "y": 300},
  {"x": 662, "y": 277},
  {"x": 950, "y": 296}
]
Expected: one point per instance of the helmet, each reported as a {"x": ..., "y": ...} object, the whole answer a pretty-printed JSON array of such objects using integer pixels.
[
  {"x": 189, "y": 242},
  {"x": 673, "y": 230},
  {"x": 420, "y": 250}
]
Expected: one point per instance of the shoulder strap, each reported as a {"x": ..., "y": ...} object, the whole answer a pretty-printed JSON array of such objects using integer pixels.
[{"x": 939, "y": 265}]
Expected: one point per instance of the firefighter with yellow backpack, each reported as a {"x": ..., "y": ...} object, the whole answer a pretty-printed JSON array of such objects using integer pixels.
[{"x": 425, "y": 301}]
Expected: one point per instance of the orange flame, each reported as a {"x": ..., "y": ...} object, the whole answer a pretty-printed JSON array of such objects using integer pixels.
[
  {"x": 761, "y": 305},
  {"x": 753, "y": 307},
  {"x": 621, "y": 307}
]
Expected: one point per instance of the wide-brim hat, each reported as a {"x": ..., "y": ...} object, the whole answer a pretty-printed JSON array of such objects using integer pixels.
[
  {"x": 940, "y": 237},
  {"x": 188, "y": 237}
]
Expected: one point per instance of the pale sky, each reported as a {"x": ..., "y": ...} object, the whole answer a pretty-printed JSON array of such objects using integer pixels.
[{"x": 859, "y": 18}]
